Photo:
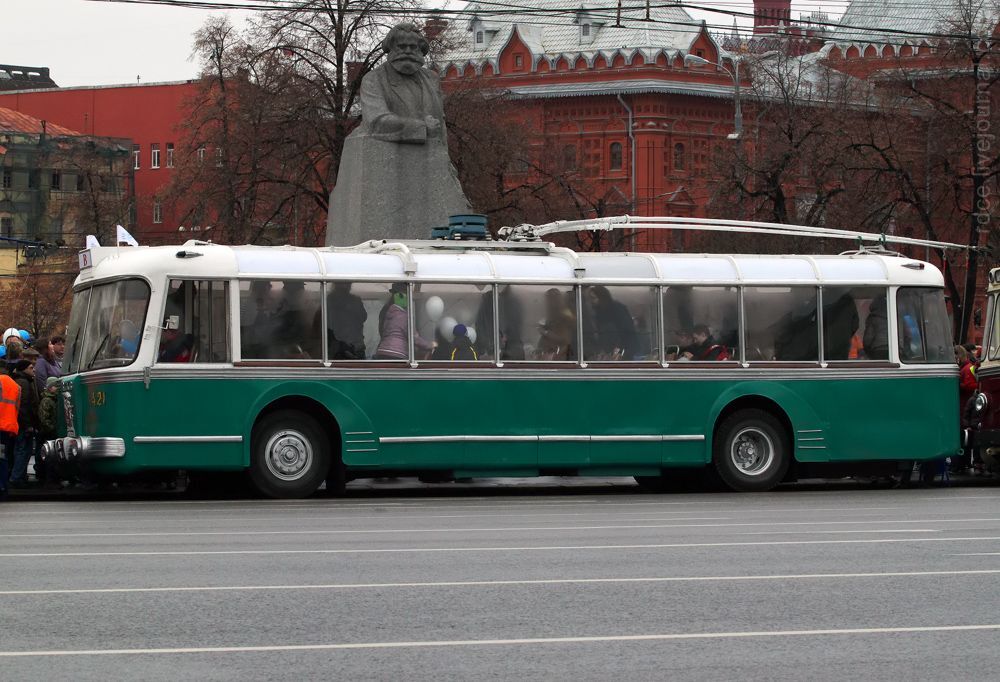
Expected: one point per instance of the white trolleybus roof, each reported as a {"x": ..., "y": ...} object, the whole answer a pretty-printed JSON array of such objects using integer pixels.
[{"x": 520, "y": 256}]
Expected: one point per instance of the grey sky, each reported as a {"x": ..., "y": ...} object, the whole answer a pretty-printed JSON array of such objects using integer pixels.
[{"x": 96, "y": 43}]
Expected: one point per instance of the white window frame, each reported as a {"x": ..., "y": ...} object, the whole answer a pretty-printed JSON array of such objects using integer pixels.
[
  {"x": 170, "y": 154},
  {"x": 157, "y": 211},
  {"x": 154, "y": 155},
  {"x": 201, "y": 154},
  {"x": 136, "y": 157}
]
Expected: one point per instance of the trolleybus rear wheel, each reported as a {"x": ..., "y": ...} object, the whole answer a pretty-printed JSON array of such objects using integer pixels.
[
  {"x": 750, "y": 451},
  {"x": 290, "y": 455}
]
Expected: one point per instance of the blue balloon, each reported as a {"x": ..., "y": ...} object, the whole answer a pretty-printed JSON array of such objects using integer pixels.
[{"x": 25, "y": 336}]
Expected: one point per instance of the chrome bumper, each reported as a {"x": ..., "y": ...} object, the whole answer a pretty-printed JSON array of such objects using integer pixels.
[{"x": 83, "y": 448}]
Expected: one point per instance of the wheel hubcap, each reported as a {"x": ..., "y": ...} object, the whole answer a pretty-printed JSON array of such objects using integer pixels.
[
  {"x": 752, "y": 451},
  {"x": 288, "y": 455}
]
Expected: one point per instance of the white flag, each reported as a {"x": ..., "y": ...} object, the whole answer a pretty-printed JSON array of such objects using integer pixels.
[
  {"x": 124, "y": 236},
  {"x": 92, "y": 242}
]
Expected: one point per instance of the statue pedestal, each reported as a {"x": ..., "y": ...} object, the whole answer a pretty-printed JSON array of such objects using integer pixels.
[{"x": 389, "y": 190}]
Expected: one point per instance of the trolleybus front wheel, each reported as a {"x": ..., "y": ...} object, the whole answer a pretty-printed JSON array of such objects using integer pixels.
[
  {"x": 750, "y": 451},
  {"x": 290, "y": 455}
]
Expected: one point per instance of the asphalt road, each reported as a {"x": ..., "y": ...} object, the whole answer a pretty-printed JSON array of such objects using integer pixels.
[{"x": 582, "y": 583}]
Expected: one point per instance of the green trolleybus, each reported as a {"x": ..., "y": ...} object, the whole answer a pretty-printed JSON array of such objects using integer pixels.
[{"x": 501, "y": 358}]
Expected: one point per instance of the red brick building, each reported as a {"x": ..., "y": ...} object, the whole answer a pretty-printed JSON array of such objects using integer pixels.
[
  {"x": 150, "y": 115},
  {"x": 618, "y": 103}
]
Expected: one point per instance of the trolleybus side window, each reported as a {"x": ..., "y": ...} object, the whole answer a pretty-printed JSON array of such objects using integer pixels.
[
  {"x": 993, "y": 328},
  {"x": 195, "y": 323},
  {"x": 700, "y": 324},
  {"x": 781, "y": 324},
  {"x": 354, "y": 315},
  {"x": 74, "y": 331},
  {"x": 854, "y": 324},
  {"x": 922, "y": 324},
  {"x": 538, "y": 322},
  {"x": 455, "y": 316},
  {"x": 619, "y": 323},
  {"x": 112, "y": 330},
  {"x": 280, "y": 320}
]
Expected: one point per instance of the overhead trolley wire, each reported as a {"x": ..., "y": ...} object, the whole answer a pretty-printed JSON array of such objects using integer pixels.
[{"x": 505, "y": 9}]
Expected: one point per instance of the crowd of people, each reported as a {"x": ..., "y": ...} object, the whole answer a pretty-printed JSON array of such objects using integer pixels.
[{"x": 29, "y": 397}]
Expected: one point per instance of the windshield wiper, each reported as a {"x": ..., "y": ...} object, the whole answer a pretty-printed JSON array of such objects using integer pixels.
[{"x": 98, "y": 351}]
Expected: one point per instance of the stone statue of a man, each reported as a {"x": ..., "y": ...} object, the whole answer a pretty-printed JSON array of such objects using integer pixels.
[
  {"x": 400, "y": 100},
  {"x": 396, "y": 180}
]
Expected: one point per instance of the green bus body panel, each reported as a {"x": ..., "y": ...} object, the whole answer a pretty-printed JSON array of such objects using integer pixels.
[{"x": 832, "y": 420}]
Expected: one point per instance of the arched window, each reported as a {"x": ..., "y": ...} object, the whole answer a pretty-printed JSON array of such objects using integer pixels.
[
  {"x": 615, "y": 156},
  {"x": 679, "y": 160},
  {"x": 569, "y": 157}
]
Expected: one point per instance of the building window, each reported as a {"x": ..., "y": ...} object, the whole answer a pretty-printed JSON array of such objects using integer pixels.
[
  {"x": 218, "y": 156},
  {"x": 170, "y": 154},
  {"x": 679, "y": 157},
  {"x": 569, "y": 157},
  {"x": 615, "y": 156},
  {"x": 201, "y": 155},
  {"x": 7, "y": 226},
  {"x": 136, "y": 154},
  {"x": 154, "y": 155},
  {"x": 79, "y": 182},
  {"x": 585, "y": 30},
  {"x": 8, "y": 178},
  {"x": 56, "y": 183},
  {"x": 157, "y": 211},
  {"x": 480, "y": 37},
  {"x": 518, "y": 62}
]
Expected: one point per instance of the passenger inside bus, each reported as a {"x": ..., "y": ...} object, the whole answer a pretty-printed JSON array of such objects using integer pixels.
[
  {"x": 256, "y": 322},
  {"x": 683, "y": 341},
  {"x": 840, "y": 322},
  {"x": 394, "y": 323},
  {"x": 611, "y": 333},
  {"x": 876, "y": 337},
  {"x": 290, "y": 331},
  {"x": 175, "y": 346},
  {"x": 557, "y": 330},
  {"x": 345, "y": 323},
  {"x": 511, "y": 315},
  {"x": 705, "y": 348}
]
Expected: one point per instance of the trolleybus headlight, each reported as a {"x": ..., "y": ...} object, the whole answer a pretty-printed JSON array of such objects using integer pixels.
[{"x": 981, "y": 402}]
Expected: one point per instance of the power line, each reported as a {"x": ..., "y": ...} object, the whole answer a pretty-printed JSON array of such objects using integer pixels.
[{"x": 510, "y": 9}]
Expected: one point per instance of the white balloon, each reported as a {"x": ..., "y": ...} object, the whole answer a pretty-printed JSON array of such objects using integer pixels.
[
  {"x": 471, "y": 333},
  {"x": 464, "y": 315},
  {"x": 447, "y": 328},
  {"x": 434, "y": 307}
]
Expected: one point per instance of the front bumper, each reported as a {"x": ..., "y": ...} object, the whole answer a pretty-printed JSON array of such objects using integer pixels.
[{"x": 83, "y": 449}]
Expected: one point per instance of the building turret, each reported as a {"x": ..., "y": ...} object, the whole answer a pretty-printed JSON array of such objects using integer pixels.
[{"x": 771, "y": 15}]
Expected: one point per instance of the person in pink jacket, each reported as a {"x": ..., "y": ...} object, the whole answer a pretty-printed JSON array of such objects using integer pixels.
[{"x": 394, "y": 323}]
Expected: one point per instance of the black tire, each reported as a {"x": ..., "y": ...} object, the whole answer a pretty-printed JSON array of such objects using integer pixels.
[
  {"x": 289, "y": 456},
  {"x": 751, "y": 452}
]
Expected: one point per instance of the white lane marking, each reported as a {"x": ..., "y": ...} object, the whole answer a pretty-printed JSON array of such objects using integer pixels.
[
  {"x": 503, "y": 642},
  {"x": 496, "y": 529},
  {"x": 979, "y": 554},
  {"x": 153, "y": 508},
  {"x": 499, "y": 583},
  {"x": 199, "y": 516},
  {"x": 527, "y": 548}
]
